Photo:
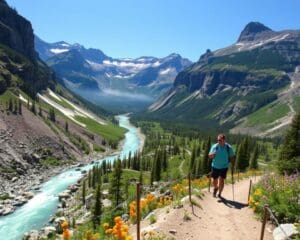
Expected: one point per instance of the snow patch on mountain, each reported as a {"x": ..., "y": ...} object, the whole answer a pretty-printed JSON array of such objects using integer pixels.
[
  {"x": 166, "y": 71},
  {"x": 58, "y": 50}
]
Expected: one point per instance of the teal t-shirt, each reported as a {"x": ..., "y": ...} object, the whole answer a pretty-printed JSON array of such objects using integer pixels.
[{"x": 221, "y": 160}]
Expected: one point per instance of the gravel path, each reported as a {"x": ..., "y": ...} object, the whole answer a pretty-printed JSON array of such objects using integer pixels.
[{"x": 218, "y": 219}]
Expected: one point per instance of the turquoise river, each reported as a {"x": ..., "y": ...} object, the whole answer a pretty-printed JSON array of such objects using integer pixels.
[{"x": 36, "y": 212}]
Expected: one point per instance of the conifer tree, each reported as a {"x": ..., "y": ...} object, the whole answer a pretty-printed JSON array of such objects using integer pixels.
[
  {"x": 192, "y": 167},
  {"x": 83, "y": 192},
  {"x": 254, "y": 157},
  {"x": 90, "y": 179},
  {"x": 32, "y": 109},
  {"x": 116, "y": 184},
  {"x": 67, "y": 126},
  {"x": 289, "y": 158},
  {"x": 98, "y": 207},
  {"x": 242, "y": 160},
  {"x": 15, "y": 107},
  {"x": 10, "y": 105},
  {"x": 165, "y": 160},
  {"x": 20, "y": 107},
  {"x": 205, "y": 160},
  {"x": 40, "y": 112}
]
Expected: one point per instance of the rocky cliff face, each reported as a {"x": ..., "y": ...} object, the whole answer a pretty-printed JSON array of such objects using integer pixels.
[
  {"x": 16, "y": 32},
  {"x": 19, "y": 64}
]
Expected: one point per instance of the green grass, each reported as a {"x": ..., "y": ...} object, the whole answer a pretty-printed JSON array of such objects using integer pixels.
[
  {"x": 51, "y": 161},
  {"x": 108, "y": 131},
  {"x": 268, "y": 114},
  {"x": 6, "y": 96},
  {"x": 61, "y": 102},
  {"x": 296, "y": 103}
]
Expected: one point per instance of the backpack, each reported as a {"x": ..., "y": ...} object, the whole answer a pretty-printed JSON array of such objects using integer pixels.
[{"x": 227, "y": 148}]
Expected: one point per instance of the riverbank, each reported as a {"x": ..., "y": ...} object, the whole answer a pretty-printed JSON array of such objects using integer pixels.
[{"x": 19, "y": 190}]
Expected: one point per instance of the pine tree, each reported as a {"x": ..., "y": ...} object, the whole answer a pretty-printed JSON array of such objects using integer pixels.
[
  {"x": 205, "y": 160},
  {"x": 254, "y": 157},
  {"x": 165, "y": 160},
  {"x": 98, "y": 207},
  {"x": 67, "y": 126},
  {"x": 83, "y": 192},
  {"x": 15, "y": 107},
  {"x": 116, "y": 184},
  {"x": 90, "y": 178},
  {"x": 289, "y": 158},
  {"x": 192, "y": 167},
  {"x": 52, "y": 114},
  {"x": 32, "y": 109},
  {"x": 10, "y": 105},
  {"x": 20, "y": 107},
  {"x": 242, "y": 160}
]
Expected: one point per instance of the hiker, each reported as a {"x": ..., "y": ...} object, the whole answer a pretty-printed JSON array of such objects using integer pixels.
[{"x": 221, "y": 154}]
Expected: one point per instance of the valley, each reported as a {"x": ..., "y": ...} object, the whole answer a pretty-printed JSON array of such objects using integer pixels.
[{"x": 92, "y": 145}]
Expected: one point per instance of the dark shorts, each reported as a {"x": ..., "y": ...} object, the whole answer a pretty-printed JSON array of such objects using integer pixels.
[{"x": 216, "y": 173}]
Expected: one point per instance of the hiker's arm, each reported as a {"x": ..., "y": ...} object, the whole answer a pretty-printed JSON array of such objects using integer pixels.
[{"x": 212, "y": 155}]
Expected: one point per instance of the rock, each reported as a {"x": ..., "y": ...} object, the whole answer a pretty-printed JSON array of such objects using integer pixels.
[
  {"x": 49, "y": 231},
  {"x": 173, "y": 231},
  {"x": 89, "y": 201},
  {"x": 106, "y": 202},
  {"x": 8, "y": 210},
  {"x": 57, "y": 224},
  {"x": 289, "y": 229},
  {"x": 64, "y": 195},
  {"x": 125, "y": 217},
  {"x": 28, "y": 195},
  {"x": 83, "y": 172},
  {"x": 33, "y": 235},
  {"x": 14, "y": 179}
]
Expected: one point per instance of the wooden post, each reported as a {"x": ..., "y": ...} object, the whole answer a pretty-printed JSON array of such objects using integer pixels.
[
  {"x": 254, "y": 175},
  {"x": 264, "y": 222},
  {"x": 190, "y": 188},
  {"x": 138, "y": 211},
  {"x": 250, "y": 186},
  {"x": 209, "y": 181},
  {"x": 238, "y": 175}
]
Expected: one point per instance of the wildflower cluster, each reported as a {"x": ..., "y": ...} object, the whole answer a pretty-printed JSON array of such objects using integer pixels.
[
  {"x": 148, "y": 204},
  {"x": 91, "y": 236},
  {"x": 66, "y": 231},
  {"x": 200, "y": 183},
  {"x": 179, "y": 190},
  {"x": 119, "y": 231},
  {"x": 281, "y": 193}
]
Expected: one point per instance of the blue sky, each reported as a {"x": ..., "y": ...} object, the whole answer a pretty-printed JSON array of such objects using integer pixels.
[{"x": 133, "y": 28}]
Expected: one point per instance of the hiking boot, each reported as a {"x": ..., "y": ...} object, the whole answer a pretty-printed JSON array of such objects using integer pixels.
[
  {"x": 215, "y": 192},
  {"x": 219, "y": 195}
]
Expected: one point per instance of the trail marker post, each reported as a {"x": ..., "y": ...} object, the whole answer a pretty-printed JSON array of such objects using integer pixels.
[
  {"x": 264, "y": 222},
  {"x": 138, "y": 193}
]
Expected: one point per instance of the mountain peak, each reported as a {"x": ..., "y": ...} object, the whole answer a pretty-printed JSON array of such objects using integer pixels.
[{"x": 251, "y": 30}]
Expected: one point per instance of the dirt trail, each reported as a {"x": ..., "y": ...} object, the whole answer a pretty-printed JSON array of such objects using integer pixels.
[{"x": 219, "y": 219}]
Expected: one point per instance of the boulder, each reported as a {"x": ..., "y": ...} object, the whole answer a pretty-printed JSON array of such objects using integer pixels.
[
  {"x": 289, "y": 230},
  {"x": 32, "y": 235},
  {"x": 49, "y": 231}
]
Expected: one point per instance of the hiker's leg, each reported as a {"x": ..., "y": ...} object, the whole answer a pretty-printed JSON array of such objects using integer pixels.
[
  {"x": 215, "y": 176},
  {"x": 221, "y": 184},
  {"x": 215, "y": 181},
  {"x": 223, "y": 174}
]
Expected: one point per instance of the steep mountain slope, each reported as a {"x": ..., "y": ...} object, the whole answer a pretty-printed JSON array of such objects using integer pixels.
[
  {"x": 227, "y": 86},
  {"x": 40, "y": 130},
  {"x": 110, "y": 81}
]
